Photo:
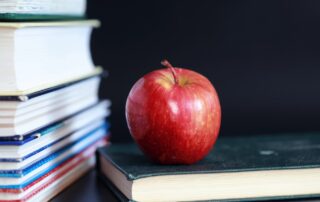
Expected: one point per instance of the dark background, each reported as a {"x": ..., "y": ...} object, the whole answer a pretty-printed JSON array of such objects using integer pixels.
[{"x": 263, "y": 57}]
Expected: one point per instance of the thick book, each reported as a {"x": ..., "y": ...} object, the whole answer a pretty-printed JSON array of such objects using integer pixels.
[
  {"x": 238, "y": 168},
  {"x": 13, "y": 10},
  {"x": 39, "y": 55}
]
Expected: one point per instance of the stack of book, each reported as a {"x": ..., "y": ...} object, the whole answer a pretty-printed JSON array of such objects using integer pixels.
[{"x": 51, "y": 119}]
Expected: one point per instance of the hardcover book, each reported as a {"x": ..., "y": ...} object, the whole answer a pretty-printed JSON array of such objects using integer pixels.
[
  {"x": 39, "y": 55},
  {"x": 13, "y": 10},
  {"x": 238, "y": 168}
]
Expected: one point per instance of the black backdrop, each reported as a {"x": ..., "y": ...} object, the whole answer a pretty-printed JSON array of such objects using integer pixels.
[{"x": 262, "y": 56}]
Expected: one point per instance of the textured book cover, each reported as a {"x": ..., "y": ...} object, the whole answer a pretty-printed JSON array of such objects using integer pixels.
[{"x": 230, "y": 155}]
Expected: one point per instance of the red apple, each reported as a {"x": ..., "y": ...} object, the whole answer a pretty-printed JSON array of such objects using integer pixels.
[{"x": 174, "y": 115}]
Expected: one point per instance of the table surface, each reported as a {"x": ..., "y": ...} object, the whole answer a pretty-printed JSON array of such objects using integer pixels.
[{"x": 90, "y": 188}]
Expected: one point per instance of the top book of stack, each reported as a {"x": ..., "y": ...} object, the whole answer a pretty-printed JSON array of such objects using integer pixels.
[{"x": 26, "y": 10}]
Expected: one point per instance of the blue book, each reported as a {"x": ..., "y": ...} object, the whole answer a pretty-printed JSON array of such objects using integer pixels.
[{"x": 18, "y": 179}]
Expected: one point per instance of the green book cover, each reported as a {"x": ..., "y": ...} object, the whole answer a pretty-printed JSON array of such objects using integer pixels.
[
  {"x": 44, "y": 10},
  {"x": 232, "y": 155},
  {"x": 20, "y": 17}
]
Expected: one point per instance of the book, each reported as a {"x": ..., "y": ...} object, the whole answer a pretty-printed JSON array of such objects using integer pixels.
[
  {"x": 39, "y": 148},
  {"x": 58, "y": 129},
  {"x": 238, "y": 168},
  {"x": 39, "y": 55},
  {"x": 25, "y": 126},
  {"x": 19, "y": 178},
  {"x": 19, "y": 97},
  {"x": 42, "y": 10},
  {"x": 49, "y": 149},
  {"x": 69, "y": 170},
  {"x": 48, "y": 191},
  {"x": 26, "y": 110},
  {"x": 24, "y": 102}
]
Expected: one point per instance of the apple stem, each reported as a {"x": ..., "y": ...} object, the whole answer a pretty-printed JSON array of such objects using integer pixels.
[{"x": 167, "y": 64}]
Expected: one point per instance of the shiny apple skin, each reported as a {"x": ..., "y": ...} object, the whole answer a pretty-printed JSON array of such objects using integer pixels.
[{"x": 174, "y": 122}]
